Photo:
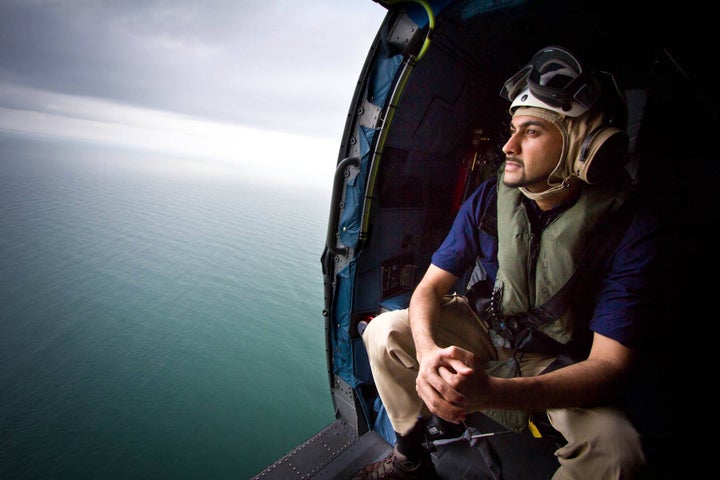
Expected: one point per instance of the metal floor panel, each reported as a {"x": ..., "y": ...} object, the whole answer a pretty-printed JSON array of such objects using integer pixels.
[
  {"x": 336, "y": 452},
  {"x": 313, "y": 455}
]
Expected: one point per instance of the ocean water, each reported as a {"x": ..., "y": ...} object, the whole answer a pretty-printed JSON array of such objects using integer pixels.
[{"x": 154, "y": 325}]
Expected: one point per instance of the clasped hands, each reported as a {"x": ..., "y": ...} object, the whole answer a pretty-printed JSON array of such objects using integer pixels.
[{"x": 451, "y": 384}]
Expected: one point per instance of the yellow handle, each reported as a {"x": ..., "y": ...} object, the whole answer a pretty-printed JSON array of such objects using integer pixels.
[{"x": 534, "y": 430}]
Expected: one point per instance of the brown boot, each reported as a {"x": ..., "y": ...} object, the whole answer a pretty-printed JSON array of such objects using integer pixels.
[{"x": 397, "y": 467}]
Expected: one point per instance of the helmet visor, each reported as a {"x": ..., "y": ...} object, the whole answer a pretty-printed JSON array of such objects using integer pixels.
[{"x": 556, "y": 77}]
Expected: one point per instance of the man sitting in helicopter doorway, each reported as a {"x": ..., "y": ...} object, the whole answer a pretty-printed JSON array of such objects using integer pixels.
[{"x": 560, "y": 196}]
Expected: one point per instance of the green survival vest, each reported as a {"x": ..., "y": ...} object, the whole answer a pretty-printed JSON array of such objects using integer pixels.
[{"x": 535, "y": 266}]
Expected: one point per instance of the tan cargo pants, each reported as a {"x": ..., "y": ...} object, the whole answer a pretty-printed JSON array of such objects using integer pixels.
[{"x": 602, "y": 443}]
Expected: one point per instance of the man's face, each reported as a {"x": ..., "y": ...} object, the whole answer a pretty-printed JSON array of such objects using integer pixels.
[{"x": 531, "y": 152}]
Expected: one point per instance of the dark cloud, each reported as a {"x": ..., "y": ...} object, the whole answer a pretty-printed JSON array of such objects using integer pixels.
[{"x": 282, "y": 65}]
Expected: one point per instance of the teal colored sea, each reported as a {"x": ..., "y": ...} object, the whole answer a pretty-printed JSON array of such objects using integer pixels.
[{"x": 154, "y": 325}]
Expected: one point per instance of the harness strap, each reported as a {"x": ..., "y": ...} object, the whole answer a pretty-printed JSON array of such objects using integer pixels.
[{"x": 515, "y": 328}]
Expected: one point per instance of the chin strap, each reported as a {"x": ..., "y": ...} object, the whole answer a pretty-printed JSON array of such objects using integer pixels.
[{"x": 545, "y": 193}]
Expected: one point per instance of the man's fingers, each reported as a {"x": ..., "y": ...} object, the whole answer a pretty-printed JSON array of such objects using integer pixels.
[
  {"x": 450, "y": 387},
  {"x": 456, "y": 354},
  {"x": 460, "y": 367},
  {"x": 439, "y": 405}
]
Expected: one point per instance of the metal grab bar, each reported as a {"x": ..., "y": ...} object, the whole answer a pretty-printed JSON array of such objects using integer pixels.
[{"x": 332, "y": 239}]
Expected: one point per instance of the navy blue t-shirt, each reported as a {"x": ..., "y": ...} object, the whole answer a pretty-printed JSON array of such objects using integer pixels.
[{"x": 628, "y": 290}]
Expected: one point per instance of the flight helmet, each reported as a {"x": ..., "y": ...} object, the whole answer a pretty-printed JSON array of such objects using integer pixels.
[{"x": 588, "y": 108}]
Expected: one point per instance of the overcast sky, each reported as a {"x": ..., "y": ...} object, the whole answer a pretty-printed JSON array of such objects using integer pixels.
[{"x": 240, "y": 81}]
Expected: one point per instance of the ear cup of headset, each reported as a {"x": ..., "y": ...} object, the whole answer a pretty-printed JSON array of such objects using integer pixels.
[{"x": 603, "y": 151}]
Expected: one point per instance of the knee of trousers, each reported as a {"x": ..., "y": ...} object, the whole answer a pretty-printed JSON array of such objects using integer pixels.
[
  {"x": 389, "y": 334},
  {"x": 603, "y": 429}
]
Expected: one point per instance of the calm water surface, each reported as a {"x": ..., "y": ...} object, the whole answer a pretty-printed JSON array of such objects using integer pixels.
[{"x": 153, "y": 325}]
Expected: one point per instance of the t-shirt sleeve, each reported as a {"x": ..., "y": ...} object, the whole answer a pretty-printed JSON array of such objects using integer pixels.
[
  {"x": 630, "y": 292},
  {"x": 463, "y": 245}
]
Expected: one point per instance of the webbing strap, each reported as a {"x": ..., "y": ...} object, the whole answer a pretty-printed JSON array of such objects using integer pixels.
[
  {"x": 516, "y": 329},
  {"x": 599, "y": 250}
]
